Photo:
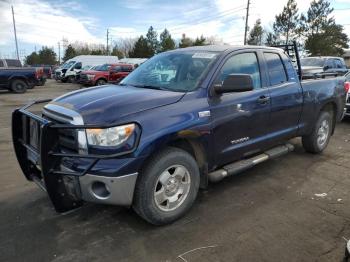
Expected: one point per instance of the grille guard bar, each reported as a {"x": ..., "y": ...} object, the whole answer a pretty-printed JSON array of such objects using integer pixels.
[{"x": 43, "y": 163}]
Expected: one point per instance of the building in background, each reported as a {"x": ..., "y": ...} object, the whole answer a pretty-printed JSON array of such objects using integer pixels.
[{"x": 346, "y": 57}]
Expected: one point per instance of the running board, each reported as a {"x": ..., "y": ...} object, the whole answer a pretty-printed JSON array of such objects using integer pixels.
[{"x": 239, "y": 166}]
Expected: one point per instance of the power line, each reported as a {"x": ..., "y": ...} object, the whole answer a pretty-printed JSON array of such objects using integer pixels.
[
  {"x": 246, "y": 23},
  {"x": 207, "y": 19}
]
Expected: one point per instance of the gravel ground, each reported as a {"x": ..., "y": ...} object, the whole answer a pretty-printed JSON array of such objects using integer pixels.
[{"x": 295, "y": 208}]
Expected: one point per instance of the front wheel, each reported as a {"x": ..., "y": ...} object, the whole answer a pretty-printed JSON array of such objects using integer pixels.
[
  {"x": 167, "y": 187},
  {"x": 101, "y": 82},
  {"x": 318, "y": 140}
]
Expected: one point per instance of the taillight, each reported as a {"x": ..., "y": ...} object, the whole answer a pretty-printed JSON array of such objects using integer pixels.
[
  {"x": 37, "y": 74},
  {"x": 347, "y": 86}
]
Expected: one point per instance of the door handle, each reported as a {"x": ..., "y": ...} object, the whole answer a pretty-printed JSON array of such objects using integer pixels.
[{"x": 263, "y": 100}]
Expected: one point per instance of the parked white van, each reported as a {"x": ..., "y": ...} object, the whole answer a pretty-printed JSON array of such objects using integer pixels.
[{"x": 67, "y": 71}]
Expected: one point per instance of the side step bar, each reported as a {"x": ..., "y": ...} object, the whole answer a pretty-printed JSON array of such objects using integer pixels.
[{"x": 239, "y": 166}]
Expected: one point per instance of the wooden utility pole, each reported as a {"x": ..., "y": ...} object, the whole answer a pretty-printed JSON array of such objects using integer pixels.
[
  {"x": 59, "y": 52},
  {"x": 107, "y": 42},
  {"x": 14, "y": 29},
  {"x": 246, "y": 23}
]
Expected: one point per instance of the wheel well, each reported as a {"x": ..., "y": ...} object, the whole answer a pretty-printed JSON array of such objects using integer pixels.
[
  {"x": 194, "y": 148},
  {"x": 331, "y": 107},
  {"x": 101, "y": 78},
  {"x": 18, "y": 78}
]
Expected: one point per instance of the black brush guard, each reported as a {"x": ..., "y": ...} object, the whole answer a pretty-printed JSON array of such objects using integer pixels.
[{"x": 40, "y": 163}]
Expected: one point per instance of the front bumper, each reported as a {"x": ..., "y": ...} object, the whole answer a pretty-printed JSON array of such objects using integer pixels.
[
  {"x": 42, "y": 161},
  {"x": 347, "y": 106}
]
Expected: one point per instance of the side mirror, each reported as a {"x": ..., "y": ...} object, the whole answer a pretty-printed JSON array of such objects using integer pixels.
[
  {"x": 235, "y": 83},
  {"x": 326, "y": 67}
]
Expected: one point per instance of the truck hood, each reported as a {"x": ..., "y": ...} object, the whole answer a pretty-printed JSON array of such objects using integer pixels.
[{"x": 108, "y": 103}]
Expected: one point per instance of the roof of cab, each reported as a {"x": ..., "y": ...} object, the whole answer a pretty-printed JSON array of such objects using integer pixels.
[{"x": 223, "y": 48}]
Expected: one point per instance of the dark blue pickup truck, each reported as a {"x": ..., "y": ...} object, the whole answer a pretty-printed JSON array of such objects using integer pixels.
[
  {"x": 181, "y": 119},
  {"x": 18, "y": 79}
]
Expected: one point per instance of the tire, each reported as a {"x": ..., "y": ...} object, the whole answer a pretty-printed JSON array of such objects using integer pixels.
[
  {"x": 318, "y": 140},
  {"x": 100, "y": 82},
  {"x": 19, "y": 86},
  {"x": 173, "y": 176},
  {"x": 64, "y": 80},
  {"x": 71, "y": 79}
]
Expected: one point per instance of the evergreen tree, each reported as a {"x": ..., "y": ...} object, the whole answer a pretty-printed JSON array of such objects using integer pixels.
[
  {"x": 32, "y": 59},
  {"x": 272, "y": 39},
  {"x": 185, "y": 41},
  {"x": 323, "y": 35},
  {"x": 166, "y": 42},
  {"x": 117, "y": 52},
  {"x": 256, "y": 34},
  {"x": 152, "y": 40},
  {"x": 287, "y": 22},
  {"x": 141, "y": 49},
  {"x": 316, "y": 17},
  {"x": 69, "y": 53},
  {"x": 199, "y": 41},
  {"x": 330, "y": 42},
  {"x": 47, "y": 56}
]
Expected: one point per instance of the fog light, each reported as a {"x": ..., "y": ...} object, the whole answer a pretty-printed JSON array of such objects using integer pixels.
[{"x": 100, "y": 190}]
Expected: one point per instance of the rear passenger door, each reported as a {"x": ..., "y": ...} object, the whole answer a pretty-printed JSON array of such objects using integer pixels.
[{"x": 286, "y": 96}]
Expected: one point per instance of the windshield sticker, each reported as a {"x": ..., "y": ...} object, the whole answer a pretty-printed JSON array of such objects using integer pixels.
[{"x": 203, "y": 55}]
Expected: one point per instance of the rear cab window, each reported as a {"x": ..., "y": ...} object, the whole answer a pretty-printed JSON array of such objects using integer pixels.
[{"x": 276, "y": 70}]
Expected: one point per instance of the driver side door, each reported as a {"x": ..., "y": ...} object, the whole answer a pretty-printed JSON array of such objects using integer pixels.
[{"x": 240, "y": 119}]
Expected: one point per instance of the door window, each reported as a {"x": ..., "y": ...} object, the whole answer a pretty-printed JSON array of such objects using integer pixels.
[
  {"x": 329, "y": 64},
  {"x": 245, "y": 63},
  {"x": 338, "y": 64},
  {"x": 277, "y": 73}
]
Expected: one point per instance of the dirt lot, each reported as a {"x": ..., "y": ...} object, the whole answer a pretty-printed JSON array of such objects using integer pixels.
[{"x": 296, "y": 208}]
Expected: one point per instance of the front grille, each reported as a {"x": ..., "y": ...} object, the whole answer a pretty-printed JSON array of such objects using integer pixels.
[
  {"x": 83, "y": 77},
  {"x": 67, "y": 138}
]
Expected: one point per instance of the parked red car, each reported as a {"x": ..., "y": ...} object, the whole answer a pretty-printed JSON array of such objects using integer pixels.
[{"x": 112, "y": 73}]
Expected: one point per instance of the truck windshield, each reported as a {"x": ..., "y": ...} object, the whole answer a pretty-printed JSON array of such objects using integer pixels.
[
  {"x": 68, "y": 65},
  {"x": 175, "y": 71},
  {"x": 312, "y": 61},
  {"x": 104, "y": 67}
]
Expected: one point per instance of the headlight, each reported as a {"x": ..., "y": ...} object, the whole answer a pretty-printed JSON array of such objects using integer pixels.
[
  {"x": 112, "y": 136},
  {"x": 90, "y": 76}
]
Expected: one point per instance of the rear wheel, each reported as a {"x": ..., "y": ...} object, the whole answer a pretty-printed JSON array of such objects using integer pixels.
[
  {"x": 101, "y": 82},
  {"x": 19, "y": 86},
  {"x": 318, "y": 140},
  {"x": 167, "y": 187}
]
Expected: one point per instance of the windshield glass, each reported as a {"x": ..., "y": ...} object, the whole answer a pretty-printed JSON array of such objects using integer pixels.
[
  {"x": 104, "y": 67},
  {"x": 314, "y": 61},
  {"x": 87, "y": 67},
  {"x": 68, "y": 65},
  {"x": 176, "y": 71}
]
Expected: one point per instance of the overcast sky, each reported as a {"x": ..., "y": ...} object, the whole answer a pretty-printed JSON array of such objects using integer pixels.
[{"x": 42, "y": 22}]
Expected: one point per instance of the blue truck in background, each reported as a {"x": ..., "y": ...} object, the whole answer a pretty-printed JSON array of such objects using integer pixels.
[{"x": 180, "y": 120}]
